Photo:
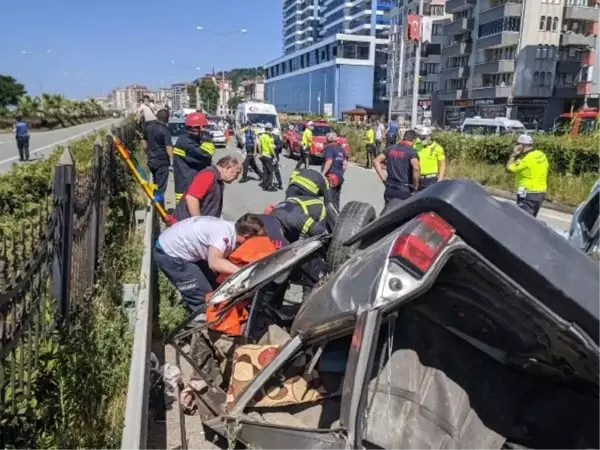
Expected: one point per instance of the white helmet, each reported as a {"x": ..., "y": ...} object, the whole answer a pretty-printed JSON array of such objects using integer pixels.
[
  {"x": 310, "y": 123},
  {"x": 269, "y": 126},
  {"x": 525, "y": 139},
  {"x": 423, "y": 131}
]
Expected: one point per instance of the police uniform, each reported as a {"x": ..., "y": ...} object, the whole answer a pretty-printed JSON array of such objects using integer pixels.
[
  {"x": 276, "y": 172},
  {"x": 370, "y": 145},
  {"x": 429, "y": 157},
  {"x": 158, "y": 137},
  {"x": 267, "y": 157},
  {"x": 305, "y": 145},
  {"x": 249, "y": 141},
  {"x": 208, "y": 187},
  {"x": 190, "y": 156},
  {"x": 531, "y": 180},
  {"x": 308, "y": 182}
]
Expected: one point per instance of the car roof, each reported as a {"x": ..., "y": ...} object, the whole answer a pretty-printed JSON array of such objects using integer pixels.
[
  {"x": 526, "y": 249},
  {"x": 176, "y": 120},
  {"x": 315, "y": 122}
]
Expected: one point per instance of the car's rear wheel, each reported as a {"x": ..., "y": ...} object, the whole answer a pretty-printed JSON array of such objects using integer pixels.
[{"x": 353, "y": 217}]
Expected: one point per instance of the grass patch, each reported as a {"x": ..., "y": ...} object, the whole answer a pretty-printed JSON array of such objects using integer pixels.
[{"x": 171, "y": 309}]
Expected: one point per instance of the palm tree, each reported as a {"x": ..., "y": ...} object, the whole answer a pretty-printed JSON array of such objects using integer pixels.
[{"x": 55, "y": 107}]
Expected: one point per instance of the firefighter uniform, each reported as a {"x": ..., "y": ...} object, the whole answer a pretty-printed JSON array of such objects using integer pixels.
[
  {"x": 308, "y": 182},
  {"x": 189, "y": 158},
  {"x": 301, "y": 217},
  {"x": 429, "y": 157}
]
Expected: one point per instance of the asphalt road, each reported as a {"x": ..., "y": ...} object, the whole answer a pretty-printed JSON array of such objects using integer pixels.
[
  {"x": 360, "y": 184},
  {"x": 41, "y": 143}
]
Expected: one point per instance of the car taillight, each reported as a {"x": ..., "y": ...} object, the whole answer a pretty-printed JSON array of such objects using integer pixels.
[{"x": 421, "y": 242}]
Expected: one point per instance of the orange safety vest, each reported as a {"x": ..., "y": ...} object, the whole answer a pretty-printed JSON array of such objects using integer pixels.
[{"x": 230, "y": 323}]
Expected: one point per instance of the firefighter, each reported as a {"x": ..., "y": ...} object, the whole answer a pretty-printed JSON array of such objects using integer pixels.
[
  {"x": 192, "y": 152},
  {"x": 334, "y": 165},
  {"x": 305, "y": 146},
  {"x": 309, "y": 182},
  {"x": 250, "y": 145}
]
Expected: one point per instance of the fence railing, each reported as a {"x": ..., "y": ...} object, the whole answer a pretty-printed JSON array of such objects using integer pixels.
[{"x": 48, "y": 266}]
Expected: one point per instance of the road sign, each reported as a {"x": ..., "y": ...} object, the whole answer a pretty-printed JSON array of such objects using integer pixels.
[{"x": 328, "y": 109}]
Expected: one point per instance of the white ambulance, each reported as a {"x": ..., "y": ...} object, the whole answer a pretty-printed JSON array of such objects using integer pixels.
[{"x": 259, "y": 114}]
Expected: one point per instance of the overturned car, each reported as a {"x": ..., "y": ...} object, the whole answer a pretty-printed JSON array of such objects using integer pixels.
[{"x": 455, "y": 321}]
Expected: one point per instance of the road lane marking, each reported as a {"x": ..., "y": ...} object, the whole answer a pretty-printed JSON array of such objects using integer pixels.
[{"x": 62, "y": 141}]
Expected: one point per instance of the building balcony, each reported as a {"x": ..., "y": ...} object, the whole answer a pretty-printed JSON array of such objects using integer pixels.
[
  {"x": 454, "y": 72},
  {"x": 491, "y": 92},
  {"x": 452, "y": 94},
  {"x": 584, "y": 88},
  {"x": 458, "y": 26},
  {"x": 455, "y": 6},
  {"x": 456, "y": 50},
  {"x": 500, "y": 66},
  {"x": 588, "y": 58},
  {"x": 568, "y": 66},
  {"x": 500, "y": 12},
  {"x": 583, "y": 13},
  {"x": 577, "y": 40},
  {"x": 503, "y": 39},
  {"x": 565, "y": 91}
]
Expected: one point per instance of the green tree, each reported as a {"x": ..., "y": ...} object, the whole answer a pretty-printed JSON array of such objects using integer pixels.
[
  {"x": 10, "y": 91},
  {"x": 234, "y": 102},
  {"x": 209, "y": 94}
]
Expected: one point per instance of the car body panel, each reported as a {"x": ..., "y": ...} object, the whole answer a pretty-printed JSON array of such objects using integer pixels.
[
  {"x": 521, "y": 246},
  {"x": 177, "y": 128},
  {"x": 293, "y": 139},
  {"x": 583, "y": 232}
]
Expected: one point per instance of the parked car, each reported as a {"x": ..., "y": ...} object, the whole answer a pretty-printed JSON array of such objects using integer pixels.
[
  {"x": 293, "y": 138},
  {"x": 455, "y": 321},
  {"x": 218, "y": 136},
  {"x": 583, "y": 232},
  {"x": 176, "y": 127}
]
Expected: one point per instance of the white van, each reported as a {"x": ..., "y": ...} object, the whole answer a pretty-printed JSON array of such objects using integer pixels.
[
  {"x": 477, "y": 126},
  {"x": 259, "y": 114}
]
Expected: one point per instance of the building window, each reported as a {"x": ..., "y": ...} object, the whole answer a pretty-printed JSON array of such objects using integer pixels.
[
  {"x": 499, "y": 26},
  {"x": 555, "y": 24},
  {"x": 437, "y": 30},
  {"x": 542, "y": 23}
]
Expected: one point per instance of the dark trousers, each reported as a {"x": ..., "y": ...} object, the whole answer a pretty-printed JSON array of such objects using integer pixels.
[
  {"x": 268, "y": 169},
  {"x": 250, "y": 161},
  {"x": 304, "y": 158},
  {"x": 160, "y": 177},
  {"x": 425, "y": 182},
  {"x": 370, "y": 155},
  {"x": 277, "y": 173},
  {"x": 377, "y": 146},
  {"x": 23, "y": 146},
  {"x": 531, "y": 203},
  {"x": 393, "y": 198},
  {"x": 336, "y": 192},
  {"x": 192, "y": 280}
]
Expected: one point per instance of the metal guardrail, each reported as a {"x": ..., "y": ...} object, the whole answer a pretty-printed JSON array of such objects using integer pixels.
[{"x": 135, "y": 430}]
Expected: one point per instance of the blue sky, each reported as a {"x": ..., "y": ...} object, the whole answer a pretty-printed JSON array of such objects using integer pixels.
[{"x": 111, "y": 43}]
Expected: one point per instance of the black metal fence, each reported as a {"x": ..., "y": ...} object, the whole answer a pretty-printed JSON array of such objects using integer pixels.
[{"x": 48, "y": 267}]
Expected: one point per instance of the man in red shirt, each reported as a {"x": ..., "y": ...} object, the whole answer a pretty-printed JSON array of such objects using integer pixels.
[{"x": 204, "y": 196}]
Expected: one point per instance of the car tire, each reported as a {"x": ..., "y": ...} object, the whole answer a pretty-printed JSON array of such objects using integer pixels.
[{"x": 353, "y": 217}]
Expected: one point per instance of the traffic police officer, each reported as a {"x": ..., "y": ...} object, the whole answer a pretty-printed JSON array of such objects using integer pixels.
[
  {"x": 160, "y": 152},
  {"x": 370, "y": 145},
  {"x": 267, "y": 157},
  {"x": 193, "y": 152},
  {"x": 531, "y": 174},
  {"x": 305, "y": 145},
  {"x": 250, "y": 145},
  {"x": 431, "y": 158}
]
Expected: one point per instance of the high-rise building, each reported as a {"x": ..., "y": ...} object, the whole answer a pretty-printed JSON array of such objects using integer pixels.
[
  {"x": 300, "y": 24},
  {"x": 524, "y": 59},
  {"x": 334, "y": 57},
  {"x": 179, "y": 96}
]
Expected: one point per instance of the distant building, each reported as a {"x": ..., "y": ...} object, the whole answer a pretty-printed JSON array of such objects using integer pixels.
[
  {"x": 127, "y": 99},
  {"x": 179, "y": 96},
  {"x": 253, "y": 89}
]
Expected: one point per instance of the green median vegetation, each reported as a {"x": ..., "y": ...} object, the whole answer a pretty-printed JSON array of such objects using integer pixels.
[
  {"x": 80, "y": 379},
  {"x": 574, "y": 161}
]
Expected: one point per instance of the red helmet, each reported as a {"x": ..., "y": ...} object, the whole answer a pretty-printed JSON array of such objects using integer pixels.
[{"x": 196, "y": 119}]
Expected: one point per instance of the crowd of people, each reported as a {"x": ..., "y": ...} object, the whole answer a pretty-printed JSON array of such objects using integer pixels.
[{"x": 195, "y": 250}]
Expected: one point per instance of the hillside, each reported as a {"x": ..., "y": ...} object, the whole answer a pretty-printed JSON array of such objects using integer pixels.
[{"x": 238, "y": 75}]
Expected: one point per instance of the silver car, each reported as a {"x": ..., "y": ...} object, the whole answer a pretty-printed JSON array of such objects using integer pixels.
[{"x": 583, "y": 232}]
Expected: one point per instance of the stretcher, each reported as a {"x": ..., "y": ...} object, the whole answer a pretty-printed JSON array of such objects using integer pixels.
[{"x": 139, "y": 174}]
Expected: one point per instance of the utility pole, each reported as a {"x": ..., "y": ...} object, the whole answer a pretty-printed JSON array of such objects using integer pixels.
[
  {"x": 415, "y": 98},
  {"x": 392, "y": 54},
  {"x": 401, "y": 64}
]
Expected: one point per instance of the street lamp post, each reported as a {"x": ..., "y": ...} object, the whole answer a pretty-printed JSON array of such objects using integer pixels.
[
  {"x": 222, "y": 34},
  {"x": 46, "y": 52}
]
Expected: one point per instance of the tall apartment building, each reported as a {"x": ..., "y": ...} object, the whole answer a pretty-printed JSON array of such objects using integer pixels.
[
  {"x": 179, "y": 96},
  {"x": 300, "y": 24},
  {"x": 129, "y": 97},
  {"x": 334, "y": 57},
  {"x": 402, "y": 61},
  {"x": 526, "y": 59}
]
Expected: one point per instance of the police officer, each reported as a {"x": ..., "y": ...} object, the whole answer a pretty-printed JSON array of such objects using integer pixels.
[
  {"x": 250, "y": 145},
  {"x": 432, "y": 158},
  {"x": 276, "y": 171},
  {"x": 402, "y": 164},
  {"x": 370, "y": 145},
  {"x": 267, "y": 157},
  {"x": 160, "y": 152},
  {"x": 305, "y": 145},
  {"x": 334, "y": 165},
  {"x": 193, "y": 152},
  {"x": 205, "y": 194},
  {"x": 531, "y": 174},
  {"x": 21, "y": 130}
]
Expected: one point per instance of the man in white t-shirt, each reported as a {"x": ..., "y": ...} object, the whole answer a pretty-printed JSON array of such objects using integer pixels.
[
  {"x": 146, "y": 111},
  {"x": 379, "y": 136},
  {"x": 192, "y": 252}
]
